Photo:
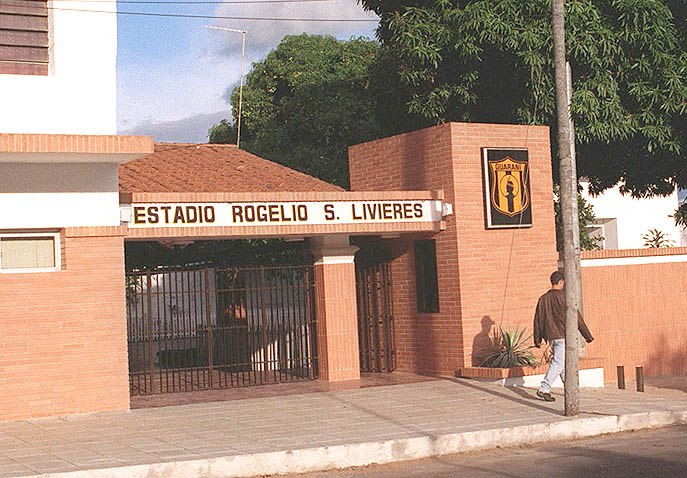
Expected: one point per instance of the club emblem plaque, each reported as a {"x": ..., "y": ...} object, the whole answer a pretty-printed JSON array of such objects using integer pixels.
[{"x": 507, "y": 188}]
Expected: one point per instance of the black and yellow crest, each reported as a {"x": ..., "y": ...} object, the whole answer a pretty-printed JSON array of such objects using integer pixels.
[{"x": 507, "y": 188}]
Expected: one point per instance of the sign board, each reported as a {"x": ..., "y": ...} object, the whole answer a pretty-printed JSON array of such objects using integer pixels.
[
  {"x": 282, "y": 213},
  {"x": 507, "y": 192}
]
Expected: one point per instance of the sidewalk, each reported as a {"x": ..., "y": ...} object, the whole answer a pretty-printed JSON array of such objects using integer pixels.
[{"x": 319, "y": 430}]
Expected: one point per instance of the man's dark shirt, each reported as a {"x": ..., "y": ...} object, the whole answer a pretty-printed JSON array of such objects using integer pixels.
[{"x": 549, "y": 318}]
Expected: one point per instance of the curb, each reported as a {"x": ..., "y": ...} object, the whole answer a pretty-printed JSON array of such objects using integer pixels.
[{"x": 383, "y": 452}]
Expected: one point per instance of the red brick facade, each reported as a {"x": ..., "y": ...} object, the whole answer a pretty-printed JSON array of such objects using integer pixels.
[
  {"x": 63, "y": 346},
  {"x": 637, "y": 310},
  {"x": 63, "y": 349},
  {"x": 497, "y": 274}
]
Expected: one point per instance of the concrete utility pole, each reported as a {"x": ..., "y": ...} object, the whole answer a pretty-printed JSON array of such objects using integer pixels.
[{"x": 568, "y": 201}]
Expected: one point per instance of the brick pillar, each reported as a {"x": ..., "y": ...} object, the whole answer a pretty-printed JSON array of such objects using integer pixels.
[{"x": 336, "y": 309}]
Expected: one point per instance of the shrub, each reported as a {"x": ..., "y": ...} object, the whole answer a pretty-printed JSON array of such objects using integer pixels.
[{"x": 511, "y": 350}]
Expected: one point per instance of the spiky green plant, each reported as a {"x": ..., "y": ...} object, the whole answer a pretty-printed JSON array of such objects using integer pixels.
[
  {"x": 511, "y": 350},
  {"x": 655, "y": 238}
]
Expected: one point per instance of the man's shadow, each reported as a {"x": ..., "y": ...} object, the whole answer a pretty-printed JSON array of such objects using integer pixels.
[{"x": 483, "y": 344}]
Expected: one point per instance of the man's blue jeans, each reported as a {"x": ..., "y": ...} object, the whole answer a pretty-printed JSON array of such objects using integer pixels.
[{"x": 556, "y": 365}]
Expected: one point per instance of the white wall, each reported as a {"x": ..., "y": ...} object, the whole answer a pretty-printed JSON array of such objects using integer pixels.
[
  {"x": 58, "y": 195},
  {"x": 79, "y": 94},
  {"x": 634, "y": 217}
]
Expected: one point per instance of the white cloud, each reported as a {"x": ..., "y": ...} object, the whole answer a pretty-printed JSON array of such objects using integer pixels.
[
  {"x": 193, "y": 129},
  {"x": 194, "y": 82},
  {"x": 264, "y": 35},
  {"x": 171, "y": 91}
]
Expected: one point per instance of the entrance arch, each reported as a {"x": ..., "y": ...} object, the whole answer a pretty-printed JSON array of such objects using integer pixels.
[{"x": 188, "y": 202}]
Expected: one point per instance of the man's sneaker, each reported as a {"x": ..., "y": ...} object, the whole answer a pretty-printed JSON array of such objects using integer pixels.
[{"x": 546, "y": 396}]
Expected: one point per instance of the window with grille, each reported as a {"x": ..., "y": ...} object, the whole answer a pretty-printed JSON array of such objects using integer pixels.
[{"x": 24, "y": 46}]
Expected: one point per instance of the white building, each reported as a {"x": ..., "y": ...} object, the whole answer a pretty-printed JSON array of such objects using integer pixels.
[
  {"x": 58, "y": 153},
  {"x": 622, "y": 220},
  {"x": 70, "y": 89}
]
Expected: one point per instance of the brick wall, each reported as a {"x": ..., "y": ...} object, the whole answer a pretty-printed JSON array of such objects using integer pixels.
[
  {"x": 63, "y": 343},
  {"x": 635, "y": 305},
  {"x": 497, "y": 274}
]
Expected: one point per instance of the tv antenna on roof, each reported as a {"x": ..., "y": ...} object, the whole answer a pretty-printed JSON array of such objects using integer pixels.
[{"x": 243, "y": 53}]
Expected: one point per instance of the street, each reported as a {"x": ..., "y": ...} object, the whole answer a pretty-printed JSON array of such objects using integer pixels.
[{"x": 647, "y": 453}]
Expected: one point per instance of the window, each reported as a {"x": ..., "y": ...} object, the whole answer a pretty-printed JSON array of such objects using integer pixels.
[
  {"x": 24, "y": 46},
  {"x": 426, "y": 282},
  {"x": 37, "y": 252}
]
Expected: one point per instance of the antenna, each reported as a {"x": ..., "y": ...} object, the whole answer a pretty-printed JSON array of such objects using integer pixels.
[{"x": 243, "y": 54}]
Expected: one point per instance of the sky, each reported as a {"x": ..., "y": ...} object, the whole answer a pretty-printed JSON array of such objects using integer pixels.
[{"x": 173, "y": 74}]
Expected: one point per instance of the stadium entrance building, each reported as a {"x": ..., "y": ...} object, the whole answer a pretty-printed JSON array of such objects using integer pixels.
[{"x": 81, "y": 334}]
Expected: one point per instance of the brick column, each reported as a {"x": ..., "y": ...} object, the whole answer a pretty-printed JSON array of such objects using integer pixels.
[{"x": 336, "y": 309}]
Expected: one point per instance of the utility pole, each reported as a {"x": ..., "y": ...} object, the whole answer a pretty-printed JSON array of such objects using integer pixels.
[
  {"x": 568, "y": 201},
  {"x": 575, "y": 213}
]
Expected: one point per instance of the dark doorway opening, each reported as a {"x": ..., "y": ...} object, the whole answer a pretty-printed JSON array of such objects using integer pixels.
[{"x": 375, "y": 308}]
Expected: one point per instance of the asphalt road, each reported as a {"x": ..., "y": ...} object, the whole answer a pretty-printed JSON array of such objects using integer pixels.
[{"x": 660, "y": 453}]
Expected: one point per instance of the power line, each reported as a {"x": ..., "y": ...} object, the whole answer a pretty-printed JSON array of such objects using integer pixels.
[
  {"x": 211, "y": 17},
  {"x": 189, "y": 2},
  {"x": 223, "y": 17}
]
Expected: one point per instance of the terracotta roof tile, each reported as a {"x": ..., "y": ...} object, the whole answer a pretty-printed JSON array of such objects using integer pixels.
[{"x": 181, "y": 167}]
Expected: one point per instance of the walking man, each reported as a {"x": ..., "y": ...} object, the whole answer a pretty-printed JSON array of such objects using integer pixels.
[{"x": 549, "y": 325}]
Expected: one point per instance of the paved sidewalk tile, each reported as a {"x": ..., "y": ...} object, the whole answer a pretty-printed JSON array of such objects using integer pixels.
[{"x": 324, "y": 419}]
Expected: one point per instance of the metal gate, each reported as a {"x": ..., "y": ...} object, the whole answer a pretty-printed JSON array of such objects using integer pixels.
[
  {"x": 199, "y": 328},
  {"x": 375, "y": 319}
]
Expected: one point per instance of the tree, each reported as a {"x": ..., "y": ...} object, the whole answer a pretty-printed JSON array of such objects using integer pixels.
[
  {"x": 222, "y": 133},
  {"x": 491, "y": 61},
  {"x": 308, "y": 101},
  {"x": 586, "y": 218},
  {"x": 234, "y": 253},
  {"x": 680, "y": 215}
]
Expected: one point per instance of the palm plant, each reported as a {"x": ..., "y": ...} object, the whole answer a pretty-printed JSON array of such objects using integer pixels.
[
  {"x": 655, "y": 238},
  {"x": 511, "y": 350}
]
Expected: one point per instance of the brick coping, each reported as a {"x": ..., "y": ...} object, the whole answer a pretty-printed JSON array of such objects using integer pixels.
[
  {"x": 74, "y": 143},
  {"x": 647, "y": 252},
  {"x": 500, "y": 373}
]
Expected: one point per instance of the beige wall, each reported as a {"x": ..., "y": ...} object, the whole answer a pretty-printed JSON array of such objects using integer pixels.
[{"x": 636, "y": 306}]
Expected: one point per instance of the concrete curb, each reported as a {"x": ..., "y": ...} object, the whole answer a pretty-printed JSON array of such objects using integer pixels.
[{"x": 381, "y": 452}]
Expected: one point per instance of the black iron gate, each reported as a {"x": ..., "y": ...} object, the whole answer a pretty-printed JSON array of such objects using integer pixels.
[
  {"x": 375, "y": 318},
  {"x": 198, "y": 328}
]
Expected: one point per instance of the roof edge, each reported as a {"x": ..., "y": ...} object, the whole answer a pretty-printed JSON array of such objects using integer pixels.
[{"x": 314, "y": 196}]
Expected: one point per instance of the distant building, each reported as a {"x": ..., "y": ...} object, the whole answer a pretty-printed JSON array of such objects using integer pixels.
[{"x": 622, "y": 220}]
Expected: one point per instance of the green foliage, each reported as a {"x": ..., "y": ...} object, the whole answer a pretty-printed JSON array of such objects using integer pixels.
[
  {"x": 234, "y": 253},
  {"x": 586, "y": 217},
  {"x": 655, "y": 238},
  {"x": 491, "y": 61},
  {"x": 308, "y": 101},
  {"x": 680, "y": 215},
  {"x": 511, "y": 350},
  {"x": 222, "y": 133}
]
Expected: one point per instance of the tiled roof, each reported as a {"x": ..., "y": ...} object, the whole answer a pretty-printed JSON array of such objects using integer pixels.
[{"x": 179, "y": 167}]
